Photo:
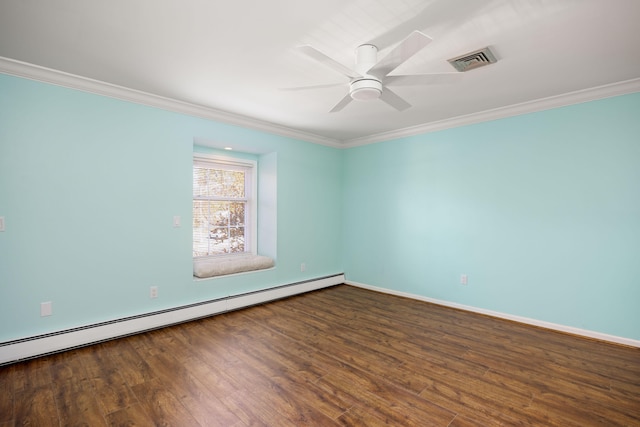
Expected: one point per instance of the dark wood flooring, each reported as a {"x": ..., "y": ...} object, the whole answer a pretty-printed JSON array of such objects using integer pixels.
[{"x": 338, "y": 356}]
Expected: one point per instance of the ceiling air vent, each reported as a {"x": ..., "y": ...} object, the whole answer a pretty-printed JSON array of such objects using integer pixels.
[{"x": 471, "y": 60}]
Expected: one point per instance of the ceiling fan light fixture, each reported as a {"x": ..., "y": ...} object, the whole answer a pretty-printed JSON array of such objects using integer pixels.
[{"x": 365, "y": 89}]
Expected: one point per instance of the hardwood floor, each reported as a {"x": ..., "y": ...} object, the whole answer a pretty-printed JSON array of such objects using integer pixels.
[{"x": 338, "y": 356}]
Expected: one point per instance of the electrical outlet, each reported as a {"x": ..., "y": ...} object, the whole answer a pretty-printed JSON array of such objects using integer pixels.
[
  {"x": 1, "y": 223},
  {"x": 303, "y": 267},
  {"x": 153, "y": 292},
  {"x": 464, "y": 279},
  {"x": 46, "y": 309}
]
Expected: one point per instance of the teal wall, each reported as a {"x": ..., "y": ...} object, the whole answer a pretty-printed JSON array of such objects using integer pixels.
[
  {"x": 89, "y": 186},
  {"x": 541, "y": 211}
]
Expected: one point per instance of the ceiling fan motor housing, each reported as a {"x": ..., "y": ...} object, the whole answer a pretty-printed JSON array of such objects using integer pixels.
[
  {"x": 366, "y": 58},
  {"x": 367, "y": 87}
]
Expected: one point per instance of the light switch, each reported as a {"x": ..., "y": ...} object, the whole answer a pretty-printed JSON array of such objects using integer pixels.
[
  {"x": 1, "y": 223},
  {"x": 176, "y": 221}
]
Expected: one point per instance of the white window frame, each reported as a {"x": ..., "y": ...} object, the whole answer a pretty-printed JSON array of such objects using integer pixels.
[{"x": 250, "y": 167}]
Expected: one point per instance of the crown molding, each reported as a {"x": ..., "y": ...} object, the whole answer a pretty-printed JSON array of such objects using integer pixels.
[
  {"x": 571, "y": 98},
  {"x": 72, "y": 81}
]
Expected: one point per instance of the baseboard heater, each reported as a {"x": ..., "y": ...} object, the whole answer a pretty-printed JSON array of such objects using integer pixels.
[{"x": 40, "y": 345}]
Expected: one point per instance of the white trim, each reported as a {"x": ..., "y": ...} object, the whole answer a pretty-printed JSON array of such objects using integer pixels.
[
  {"x": 13, "y": 351},
  {"x": 571, "y": 98},
  {"x": 60, "y": 78},
  {"x": 528, "y": 321}
]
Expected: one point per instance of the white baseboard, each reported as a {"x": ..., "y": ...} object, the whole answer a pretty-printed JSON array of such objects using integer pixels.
[
  {"x": 16, "y": 350},
  {"x": 539, "y": 323}
]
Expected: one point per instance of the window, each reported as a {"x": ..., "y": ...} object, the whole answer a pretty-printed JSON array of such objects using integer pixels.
[{"x": 224, "y": 216}]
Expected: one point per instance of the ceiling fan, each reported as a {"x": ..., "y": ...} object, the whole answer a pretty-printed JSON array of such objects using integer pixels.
[{"x": 370, "y": 79}]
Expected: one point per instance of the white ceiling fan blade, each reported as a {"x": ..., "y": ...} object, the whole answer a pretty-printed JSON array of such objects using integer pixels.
[
  {"x": 312, "y": 87},
  {"x": 423, "y": 79},
  {"x": 399, "y": 54},
  {"x": 343, "y": 103},
  {"x": 391, "y": 98},
  {"x": 315, "y": 54}
]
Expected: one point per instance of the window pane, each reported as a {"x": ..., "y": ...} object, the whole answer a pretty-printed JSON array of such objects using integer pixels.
[
  {"x": 236, "y": 243},
  {"x": 233, "y": 184},
  {"x": 218, "y": 227},
  {"x": 236, "y": 213},
  {"x": 200, "y": 229},
  {"x": 219, "y": 213},
  {"x": 200, "y": 179},
  {"x": 214, "y": 182},
  {"x": 218, "y": 182}
]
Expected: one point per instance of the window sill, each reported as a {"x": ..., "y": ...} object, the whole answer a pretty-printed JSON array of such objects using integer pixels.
[{"x": 205, "y": 268}]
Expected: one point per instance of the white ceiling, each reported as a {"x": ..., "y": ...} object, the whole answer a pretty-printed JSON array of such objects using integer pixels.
[{"x": 237, "y": 56}]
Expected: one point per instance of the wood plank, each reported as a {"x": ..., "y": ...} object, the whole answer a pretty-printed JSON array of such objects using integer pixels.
[
  {"x": 463, "y": 421},
  {"x": 280, "y": 398},
  {"x": 36, "y": 406},
  {"x": 110, "y": 388},
  {"x": 133, "y": 368},
  {"x": 32, "y": 374},
  {"x": 7, "y": 374},
  {"x": 77, "y": 404},
  {"x": 231, "y": 394},
  {"x": 67, "y": 365},
  {"x": 385, "y": 400},
  {"x": 287, "y": 372},
  {"x": 194, "y": 396},
  {"x": 133, "y": 415},
  {"x": 162, "y": 405}
]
